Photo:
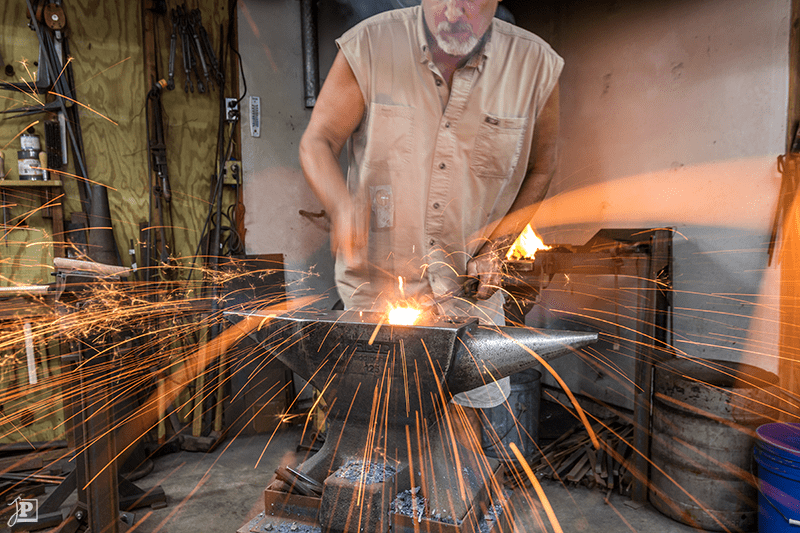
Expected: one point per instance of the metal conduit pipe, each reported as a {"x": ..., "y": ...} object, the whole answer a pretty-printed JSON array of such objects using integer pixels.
[{"x": 308, "y": 20}]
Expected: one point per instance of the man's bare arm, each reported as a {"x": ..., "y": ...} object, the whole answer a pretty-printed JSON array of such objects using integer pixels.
[
  {"x": 337, "y": 113},
  {"x": 541, "y": 168}
]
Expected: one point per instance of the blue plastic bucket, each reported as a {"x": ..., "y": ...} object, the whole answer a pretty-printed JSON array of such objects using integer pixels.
[{"x": 777, "y": 453}]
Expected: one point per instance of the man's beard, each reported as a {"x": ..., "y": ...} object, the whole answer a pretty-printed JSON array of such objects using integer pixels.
[{"x": 450, "y": 45}]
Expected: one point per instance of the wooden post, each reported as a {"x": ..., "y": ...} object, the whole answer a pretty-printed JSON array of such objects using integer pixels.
[{"x": 789, "y": 347}]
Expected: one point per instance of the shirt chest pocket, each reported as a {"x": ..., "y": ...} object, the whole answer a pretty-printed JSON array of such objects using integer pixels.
[
  {"x": 388, "y": 144},
  {"x": 498, "y": 145}
]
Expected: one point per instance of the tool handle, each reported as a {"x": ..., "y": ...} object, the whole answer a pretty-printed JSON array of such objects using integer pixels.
[
  {"x": 173, "y": 44},
  {"x": 471, "y": 287},
  {"x": 68, "y": 265}
]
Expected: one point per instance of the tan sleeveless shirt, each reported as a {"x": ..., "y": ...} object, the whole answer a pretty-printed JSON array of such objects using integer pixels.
[{"x": 437, "y": 166}]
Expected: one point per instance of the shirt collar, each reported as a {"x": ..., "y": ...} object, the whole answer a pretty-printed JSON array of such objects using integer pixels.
[{"x": 477, "y": 60}]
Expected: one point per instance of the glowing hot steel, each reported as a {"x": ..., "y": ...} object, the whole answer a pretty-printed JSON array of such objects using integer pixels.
[
  {"x": 403, "y": 316},
  {"x": 526, "y": 245},
  {"x": 404, "y": 313}
]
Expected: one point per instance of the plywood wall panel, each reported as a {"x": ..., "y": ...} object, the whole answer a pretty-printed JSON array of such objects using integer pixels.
[
  {"x": 106, "y": 46},
  {"x": 25, "y": 254}
]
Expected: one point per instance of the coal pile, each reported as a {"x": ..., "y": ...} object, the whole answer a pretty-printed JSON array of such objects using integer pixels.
[
  {"x": 366, "y": 473},
  {"x": 263, "y": 524},
  {"x": 407, "y": 503},
  {"x": 491, "y": 516}
]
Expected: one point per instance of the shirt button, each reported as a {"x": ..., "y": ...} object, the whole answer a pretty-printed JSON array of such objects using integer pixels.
[
  {"x": 432, "y": 242},
  {"x": 447, "y": 124},
  {"x": 438, "y": 83},
  {"x": 436, "y": 205},
  {"x": 442, "y": 166}
]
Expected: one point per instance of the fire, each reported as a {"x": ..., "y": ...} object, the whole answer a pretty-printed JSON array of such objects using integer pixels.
[
  {"x": 526, "y": 245},
  {"x": 403, "y": 315}
]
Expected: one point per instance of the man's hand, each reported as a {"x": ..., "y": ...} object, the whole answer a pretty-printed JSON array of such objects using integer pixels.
[
  {"x": 350, "y": 231},
  {"x": 486, "y": 273}
]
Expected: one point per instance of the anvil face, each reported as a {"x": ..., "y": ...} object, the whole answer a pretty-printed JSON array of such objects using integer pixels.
[
  {"x": 350, "y": 355},
  {"x": 370, "y": 371}
]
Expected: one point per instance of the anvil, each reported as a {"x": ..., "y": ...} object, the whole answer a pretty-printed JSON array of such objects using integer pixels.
[{"x": 387, "y": 388}]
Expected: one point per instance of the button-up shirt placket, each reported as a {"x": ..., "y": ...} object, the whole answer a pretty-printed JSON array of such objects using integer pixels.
[{"x": 443, "y": 172}]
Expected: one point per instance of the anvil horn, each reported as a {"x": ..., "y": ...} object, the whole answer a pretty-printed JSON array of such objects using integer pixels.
[{"x": 487, "y": 354}]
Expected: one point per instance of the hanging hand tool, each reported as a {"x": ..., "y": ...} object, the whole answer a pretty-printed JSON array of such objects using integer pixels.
[
  {"x": 189, "y": 51},
  {"x": 185, "y": 50},
  {"x": 161, "y": 191},
  {"x": 194, "y": 21},
  {"x": 173, "y": 43},
  {"x": 158, "y": 146},
  {"x": 209, "y": 50},
  {"x": 50, "y": 107},
  {"x": 201, "y": 88}
]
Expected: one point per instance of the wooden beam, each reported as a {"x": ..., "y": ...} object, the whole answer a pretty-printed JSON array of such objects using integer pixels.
[
  {"x": 793, "y": 112},
  {"x": 789, "y": 336}
]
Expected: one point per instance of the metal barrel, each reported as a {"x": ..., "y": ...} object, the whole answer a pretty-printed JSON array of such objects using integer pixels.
[
  {"x": 515, "y": 420},
  {"x": 705, "y": 414}
]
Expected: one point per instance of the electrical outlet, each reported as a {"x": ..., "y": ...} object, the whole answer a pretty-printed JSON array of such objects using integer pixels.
[
  {"x": 231, "y": 109},
  {"x": 233, "y": 171}
]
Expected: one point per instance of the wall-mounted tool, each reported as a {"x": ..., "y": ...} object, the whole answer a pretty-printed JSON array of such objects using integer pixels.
[
  {"x": 208, "y": 49},
  {"x": 197, "y": 53},
  {"x": 160, "y": 189},
  {"x": 194, "y": 20},
  {"x": 173, "y": 45}
]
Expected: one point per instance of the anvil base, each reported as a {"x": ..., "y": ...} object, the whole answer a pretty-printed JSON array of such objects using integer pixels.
[
  {"x": 293, "y": 513},
  {"x": 453, "y": 489}
]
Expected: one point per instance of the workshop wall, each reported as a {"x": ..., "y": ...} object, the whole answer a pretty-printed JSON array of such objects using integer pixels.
[
  {"x": 276, "y": 190},
  {"x": 27, "y": 248},
  {"x": 673, "y": 115},
  {"x": 106, "y": 43},
  {"x": 108, "y": 58}
]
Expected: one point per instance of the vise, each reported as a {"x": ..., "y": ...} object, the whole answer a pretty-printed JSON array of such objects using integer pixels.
[{"x": 390, "y": 444}]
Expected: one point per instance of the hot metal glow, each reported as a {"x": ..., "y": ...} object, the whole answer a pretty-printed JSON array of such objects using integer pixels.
[
  {"x": 526, "y": 245},
  {"x": 403, "y": 316}
]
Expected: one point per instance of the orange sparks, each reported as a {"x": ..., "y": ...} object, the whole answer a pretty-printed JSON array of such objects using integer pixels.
[
  {"x": 85, "y": 106},
  {"x": 548, "y": 509},
  {"x": 23, "y": 130}
]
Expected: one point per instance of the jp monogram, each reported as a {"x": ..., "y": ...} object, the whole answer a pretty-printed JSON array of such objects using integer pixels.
[{"x": 24, "y": 511}]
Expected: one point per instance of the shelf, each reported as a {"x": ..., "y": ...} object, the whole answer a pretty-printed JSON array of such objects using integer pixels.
[{"x": 30, "y": 183}]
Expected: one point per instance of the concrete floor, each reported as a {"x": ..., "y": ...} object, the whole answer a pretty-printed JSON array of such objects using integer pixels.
[{"x": 222, "y": 490}]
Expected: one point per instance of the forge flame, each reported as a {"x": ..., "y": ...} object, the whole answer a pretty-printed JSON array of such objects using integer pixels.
[{"x": 526, "y": 245}]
